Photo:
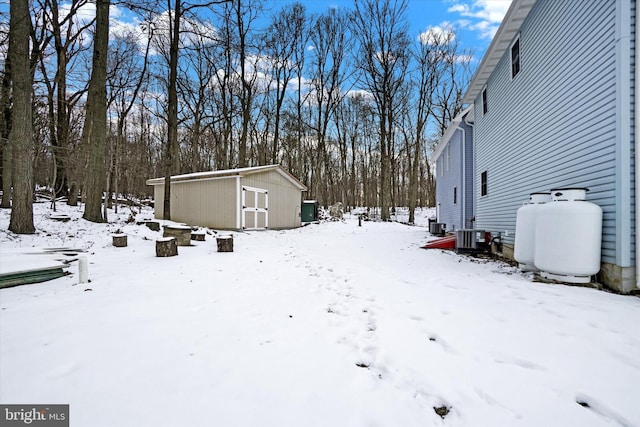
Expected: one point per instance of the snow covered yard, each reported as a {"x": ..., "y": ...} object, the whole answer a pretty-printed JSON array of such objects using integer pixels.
[{"x": 327, "y": 325}]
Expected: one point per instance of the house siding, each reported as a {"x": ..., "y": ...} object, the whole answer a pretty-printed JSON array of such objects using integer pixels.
[
  {"x": 451, "y": 176},
  {"x": 554, "y": 124}
]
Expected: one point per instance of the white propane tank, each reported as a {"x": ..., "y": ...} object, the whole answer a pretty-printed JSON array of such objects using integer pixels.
[
  {"x": 568, "y": 237},
  {"x": 525, "y": 230}
]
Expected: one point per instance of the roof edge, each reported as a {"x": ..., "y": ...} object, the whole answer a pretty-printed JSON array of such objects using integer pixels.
[
  {"x": 444, "y": 140},
  {"x": 511, "y": 23},
  {"x": 230, "y": 173}
]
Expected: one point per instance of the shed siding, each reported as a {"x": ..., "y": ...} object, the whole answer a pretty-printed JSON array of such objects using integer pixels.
[
  {"x": 284, "y": 199},
  {"x": 554, "y": 124},
  {"x": 207, "y": 203}
]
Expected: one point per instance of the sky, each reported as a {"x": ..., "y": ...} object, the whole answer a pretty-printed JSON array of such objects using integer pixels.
[{"x": 475, "y": 21}]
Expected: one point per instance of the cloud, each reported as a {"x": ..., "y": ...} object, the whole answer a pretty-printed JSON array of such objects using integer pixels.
[
  {"x": 438, "y": 34},
  {"x": 483, "y": 16}
]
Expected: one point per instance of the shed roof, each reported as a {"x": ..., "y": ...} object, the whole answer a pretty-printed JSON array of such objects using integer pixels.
[
  {"x": 230, "y": 173},
  {"x": 510, "y": 26}
]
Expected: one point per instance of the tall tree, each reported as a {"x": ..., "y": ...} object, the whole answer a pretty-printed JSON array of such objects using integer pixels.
[
  {"x": 427, "y": 54},
  {"x": 125, "y": 78},
  {"x": 21, "y": 136},
  {"x": 245, "y": 13},
  {"x": 5, "y": 129},
  {"x": 330, "y": 36},
  {"x": 172, "y": 153},
  {"x": 95, "y": 127},
  {"x": 284, "y": 37},
  {"x": 383, "y": 59},
  {"x": 67, "y": 31}
]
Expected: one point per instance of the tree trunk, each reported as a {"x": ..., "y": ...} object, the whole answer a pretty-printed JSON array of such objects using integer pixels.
[
  {"x": 21, "y": 136},
  {"x": 172, "y": 154},
  {"x": 95, "y": 126},
  {"x": 5, "y": 128}
]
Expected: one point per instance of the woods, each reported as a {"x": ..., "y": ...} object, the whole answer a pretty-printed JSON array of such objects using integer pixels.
[{"x": 348, "y": 100}]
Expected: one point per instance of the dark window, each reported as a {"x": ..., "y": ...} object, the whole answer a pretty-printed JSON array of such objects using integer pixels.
[
  {"x": 515, "y": 58},
  {"x": 484, "y": 101},
  {"x": 483, "y": 183},
  {"x": 455, "y": 195}
]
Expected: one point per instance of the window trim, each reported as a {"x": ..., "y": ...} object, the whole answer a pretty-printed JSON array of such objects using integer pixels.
[
  {"x": 484, "y": 184},
  {"x": 485, "y": 105},
  {"x": 455, "y": 195},
  {"x": 448, "y": 157},
  {"x": 515, "y": 42}
]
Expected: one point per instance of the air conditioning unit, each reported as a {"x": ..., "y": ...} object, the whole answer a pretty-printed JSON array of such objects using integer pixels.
[
  {"x": 467, "y": 240},
  {"x": 437, "y": 228}
]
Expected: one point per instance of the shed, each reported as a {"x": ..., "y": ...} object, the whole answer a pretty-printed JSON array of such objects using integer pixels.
[{"x": 252, "y": 198}]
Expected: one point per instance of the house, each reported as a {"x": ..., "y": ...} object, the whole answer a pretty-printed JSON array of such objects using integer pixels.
[
  {"x": 455, "y": 176},
  {"x": 251, "y": 198},
  {"x": 554, "y": 106}
]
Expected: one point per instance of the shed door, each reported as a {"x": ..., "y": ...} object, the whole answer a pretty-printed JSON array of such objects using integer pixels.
[{"x": 255, "y": 208}]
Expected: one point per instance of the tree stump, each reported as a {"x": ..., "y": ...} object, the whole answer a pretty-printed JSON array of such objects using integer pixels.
[
  {"x": 225, "y": 243},
  {"x": 119, "y": 240},
  {"x": 198, "y": 237},
  {"x": 166, "y": 247},
  {"x": 182, "y": 233}
]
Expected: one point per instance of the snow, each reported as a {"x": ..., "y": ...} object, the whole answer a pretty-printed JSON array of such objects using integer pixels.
[{"x": 330, "y": 324}]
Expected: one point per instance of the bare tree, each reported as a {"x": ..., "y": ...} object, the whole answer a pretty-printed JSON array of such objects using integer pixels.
[
  {"x": 383, "y": 61},
  {"x": 284, "y": 37},
  {"x": 125, "y": 78},
  {"x": 95, "y": 126},
  {"x": 453, "y": 75},
  {"x": 67, "y": 31},
  {"x": 21, "y": 136},
  {"x": 172, "y": 153},
  {"x": 245, "y": 13},
  {"x": 5, "y": 129},
  {"x": 330, "y": 37},
  {"x": 427, "y": 54}
]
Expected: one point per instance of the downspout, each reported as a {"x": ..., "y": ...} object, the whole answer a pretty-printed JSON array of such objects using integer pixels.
[
  {"x": 635, "y": 140},
  {"x": 623, "y": 172},
  {"x": 464, "y": 120},
  {"x": 463, "y": 192}
]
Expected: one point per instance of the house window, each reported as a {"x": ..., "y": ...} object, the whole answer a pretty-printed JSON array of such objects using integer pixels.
[
  {"x": 515, "y": 57},
  {"x": 484, "y": 101},
  {"x": 483, "y": 183},
  {"x": 455, "y": 195}
]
